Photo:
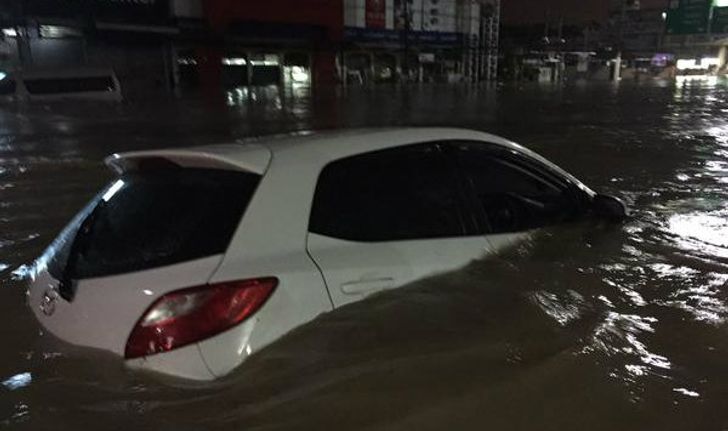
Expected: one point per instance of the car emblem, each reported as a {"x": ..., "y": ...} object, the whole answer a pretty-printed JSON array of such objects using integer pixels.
[{"x": 48, "y": 303}]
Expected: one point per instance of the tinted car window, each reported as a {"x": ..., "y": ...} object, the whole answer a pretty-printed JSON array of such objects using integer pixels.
[
  {"x": 400, "y": 194},
  {"x": 512, "y": 194},
  {"x": 150, "y": 219},
  {"x": 7, "y": 86},
  {"x": 70, "y": 85}
]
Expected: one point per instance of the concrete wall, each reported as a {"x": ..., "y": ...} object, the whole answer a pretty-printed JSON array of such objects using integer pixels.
[
  {"x": 140, "y": 66},
  {"x": 468, "y": 18},
  {"x": 328, "y": 14},
  {"x": 187, "y": 8},
  {"x": 354, "y": 13}
]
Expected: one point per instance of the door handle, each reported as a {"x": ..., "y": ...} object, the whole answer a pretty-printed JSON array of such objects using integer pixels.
[{"x": 368, "y": 285}]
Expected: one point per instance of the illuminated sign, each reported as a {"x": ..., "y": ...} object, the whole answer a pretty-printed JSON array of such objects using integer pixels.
[
  {"x": 701, "y": 64},
  {"x": 376, "y": 15}
]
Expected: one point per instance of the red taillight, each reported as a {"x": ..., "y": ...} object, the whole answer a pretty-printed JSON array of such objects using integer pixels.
[{"x": 189, "y": 315}]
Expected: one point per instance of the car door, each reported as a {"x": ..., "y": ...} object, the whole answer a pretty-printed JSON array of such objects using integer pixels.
[
  {"x": 381, "y": 220},
  {"x": 514, "y": 194}
]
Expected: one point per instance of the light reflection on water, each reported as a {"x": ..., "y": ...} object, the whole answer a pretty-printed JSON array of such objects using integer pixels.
[
  {"x": 17, "y": 381},
  {"x": 618, "y": 327},
  {"x": 702, "y": 232}
]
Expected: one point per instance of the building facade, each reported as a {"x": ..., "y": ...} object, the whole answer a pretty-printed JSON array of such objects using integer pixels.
[
  {"x": 208, "y": 45},
  {"x": 419, "y": 40},
  {"x": 697, "y": 33},
  {"x": 229, "y": 43},
  {"x": 132, "y": 37},
  {"x": 635, "y": 30}
]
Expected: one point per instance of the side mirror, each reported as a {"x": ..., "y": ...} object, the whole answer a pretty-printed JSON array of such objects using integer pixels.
[{"x": 609, "y": 208}]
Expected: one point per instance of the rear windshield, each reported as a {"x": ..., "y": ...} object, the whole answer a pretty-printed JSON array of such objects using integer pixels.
[
  {"x": 147, "y": 220},
  {"x": 70, "y": 85}
]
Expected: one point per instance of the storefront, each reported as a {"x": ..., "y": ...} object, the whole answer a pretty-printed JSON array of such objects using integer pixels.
[
  {"x": 409, "y": 40},
  {"x": 380, "y": 55},
  {"x": 179, "y": 45},
  {"x": 261, "y": 44},
  {"x": 242, "y": 66}
]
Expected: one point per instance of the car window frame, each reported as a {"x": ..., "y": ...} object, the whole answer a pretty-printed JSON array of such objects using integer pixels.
[
  {"x": 518, "y": 160},
  {"x": 467, "y": 217}
]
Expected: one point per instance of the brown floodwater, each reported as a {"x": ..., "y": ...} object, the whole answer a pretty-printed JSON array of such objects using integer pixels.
[{"x": 583, "y": 327}]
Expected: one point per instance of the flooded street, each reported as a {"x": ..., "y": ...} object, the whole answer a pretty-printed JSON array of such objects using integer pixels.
[{"x": 584, "y": 327}]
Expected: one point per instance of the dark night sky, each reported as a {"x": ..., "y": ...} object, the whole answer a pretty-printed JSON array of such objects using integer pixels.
[{"x": 530, "y": 11}]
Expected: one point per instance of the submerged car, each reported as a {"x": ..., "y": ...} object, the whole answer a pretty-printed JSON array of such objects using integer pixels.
[
  {"x": 195, "y": 258},
  {"x": 53, "y": 85}
]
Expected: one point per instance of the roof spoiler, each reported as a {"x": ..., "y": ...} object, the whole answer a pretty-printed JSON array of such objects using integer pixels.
[{"x": 254, "y": 159}]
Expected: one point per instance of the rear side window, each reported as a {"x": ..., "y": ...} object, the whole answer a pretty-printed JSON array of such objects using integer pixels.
[
  {"x": 70, "y": 85},
  {"x": 400, "y": 194},
  {"x": 151, "y": 219},
  {"x": 512, "y": 194}
]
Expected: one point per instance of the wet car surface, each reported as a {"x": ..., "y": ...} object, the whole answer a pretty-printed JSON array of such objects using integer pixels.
[{"x": 596, "y": 326}]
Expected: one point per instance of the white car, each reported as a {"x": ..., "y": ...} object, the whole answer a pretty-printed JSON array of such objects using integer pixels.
[
  {"x": 195, "y": 258},
  {"x": 51, "y": 85}
]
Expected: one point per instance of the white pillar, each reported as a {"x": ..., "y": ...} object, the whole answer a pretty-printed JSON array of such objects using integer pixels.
[{"x": 617, "y": 67}]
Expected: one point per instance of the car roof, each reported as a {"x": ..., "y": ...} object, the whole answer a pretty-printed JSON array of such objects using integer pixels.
[
  {"x": 254, "y": 154},
  {"x": 323, "y": 147},
  {"x": 76, "y": 72},
  {"x": 338, "y": 143}
]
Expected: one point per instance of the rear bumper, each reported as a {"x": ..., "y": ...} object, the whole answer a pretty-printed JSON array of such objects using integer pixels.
[
  {"x": 105, "y": 310},
  {"x": 185, "y": 362}
]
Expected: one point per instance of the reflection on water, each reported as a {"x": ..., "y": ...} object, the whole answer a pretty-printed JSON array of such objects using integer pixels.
[
  {"x": 702, "y": 232},
  {"x": 17, "y": 381},
  {"x": 587, "y": 326}
]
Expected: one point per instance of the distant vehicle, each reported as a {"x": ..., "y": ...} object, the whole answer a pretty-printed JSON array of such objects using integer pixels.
[
  {"x": 195, "y": 258},
  {"x": 60, "y": 84}
]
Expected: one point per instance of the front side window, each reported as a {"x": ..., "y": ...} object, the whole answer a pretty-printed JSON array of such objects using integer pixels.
[
  {"x": 513, "y": 193},
  {"x": 400, "y": 194}
]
